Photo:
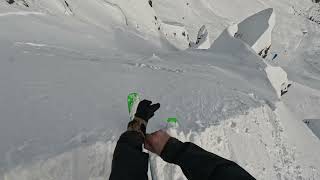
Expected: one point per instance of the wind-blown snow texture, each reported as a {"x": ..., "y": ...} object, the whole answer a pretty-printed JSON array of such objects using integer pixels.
[{"x": 67, "y": 66}]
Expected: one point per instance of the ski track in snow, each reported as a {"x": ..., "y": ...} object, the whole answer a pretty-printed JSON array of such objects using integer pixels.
[
  {"x": 21, "y": 13},
  {"x": 119, "y": 8},
  {"x": 154, "y": 67},
  {"x": 47, "y": 49},
  {"x": 31, "y": 44}
]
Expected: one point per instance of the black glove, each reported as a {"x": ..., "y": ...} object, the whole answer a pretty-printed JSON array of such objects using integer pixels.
[{"x": 146, "y": 110}]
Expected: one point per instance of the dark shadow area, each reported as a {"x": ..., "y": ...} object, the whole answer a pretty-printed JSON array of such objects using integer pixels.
[
  {"x": 10, "y": 1},
  {"x": 314, "y": 125}
]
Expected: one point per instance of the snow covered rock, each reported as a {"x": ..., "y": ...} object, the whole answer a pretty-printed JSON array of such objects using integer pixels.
[
  {"x": 203, "y": 40},
  {"x": 314, "y": 13},
  {"x": 278, "y": 78},
  {"x": 260, "y": 40},
  {"x": 176, "y": 34},
  {"x": 10, "y": 1},
  {"x": 19, "y": 2},
  {"x": 254, "y": 31}
]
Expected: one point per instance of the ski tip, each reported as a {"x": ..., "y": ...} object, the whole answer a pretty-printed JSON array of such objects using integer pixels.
[
  {"x": 172, "y": 120},
  {"x": 132, "y": 99}
]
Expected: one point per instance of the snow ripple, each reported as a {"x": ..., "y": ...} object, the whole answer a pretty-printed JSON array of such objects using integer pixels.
[{"x": 21, "y": 13}]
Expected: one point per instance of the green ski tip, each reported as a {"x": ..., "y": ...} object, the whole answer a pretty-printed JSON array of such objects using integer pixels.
[
  {"x": 132, "y": 98},
  {"x": 172, "y": 120}
]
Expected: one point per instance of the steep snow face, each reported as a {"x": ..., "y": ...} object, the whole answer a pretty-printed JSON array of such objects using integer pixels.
[
  {"x": 193, "y": 14},
  {"x": 235, "y": 10},
  {"x": 256, "y": 30},
  {"x": 288, "y": 29},
  {"x": 108, "y": 15},
  {"x": 67, "y": 67},
  {"x": 227, "y": 38}
]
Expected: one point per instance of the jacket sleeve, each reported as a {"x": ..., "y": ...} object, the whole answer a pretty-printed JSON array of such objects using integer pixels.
[
  {"x": 129, "y": 162},
  {"x": 197, "y": 163}
]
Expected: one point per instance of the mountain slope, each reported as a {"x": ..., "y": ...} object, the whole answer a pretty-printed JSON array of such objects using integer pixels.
[{"x": 67, "y": 67}]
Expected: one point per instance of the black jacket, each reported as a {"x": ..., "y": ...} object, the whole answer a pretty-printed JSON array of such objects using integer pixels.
[{"x": 130, "y": 163}]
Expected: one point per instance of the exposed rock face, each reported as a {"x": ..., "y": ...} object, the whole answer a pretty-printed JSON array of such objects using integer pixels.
[
  {"x": 203, "y": 41},
  {"x": 10, "y": 1}
]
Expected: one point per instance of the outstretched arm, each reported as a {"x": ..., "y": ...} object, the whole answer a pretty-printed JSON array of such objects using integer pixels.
[
  {"x": 129, "y": 162},
  {"x": 195, "y": 162}
]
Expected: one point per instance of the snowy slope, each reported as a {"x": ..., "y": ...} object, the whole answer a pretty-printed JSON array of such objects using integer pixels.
[{"x": 67, "y": 67}]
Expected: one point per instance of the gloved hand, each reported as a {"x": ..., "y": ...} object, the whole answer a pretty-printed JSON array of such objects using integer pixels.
[
  {"x": 156, "y": 141},
  {"x": 145, "y": 111}
]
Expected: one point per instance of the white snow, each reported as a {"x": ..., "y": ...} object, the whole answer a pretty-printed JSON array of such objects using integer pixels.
[
  {"x": 67, "y": 67},
  {"x": 31, "y": 44},
  {"x": 278, "y": 78},
  {"x": 21, "y": 13},
  {"x": 176, "y": 34}
]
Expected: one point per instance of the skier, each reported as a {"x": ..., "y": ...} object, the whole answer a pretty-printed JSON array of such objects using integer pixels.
[{"x": 131, "y": 163}]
